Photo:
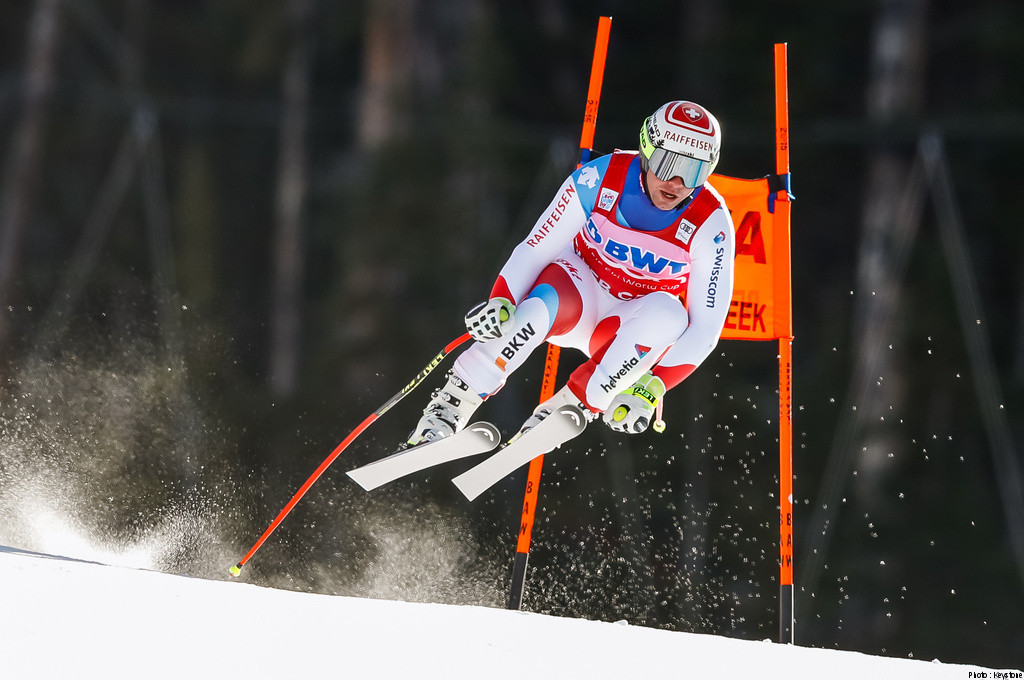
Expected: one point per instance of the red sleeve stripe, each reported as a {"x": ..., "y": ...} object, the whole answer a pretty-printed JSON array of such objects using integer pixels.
[{"x": 500, "y": 289}]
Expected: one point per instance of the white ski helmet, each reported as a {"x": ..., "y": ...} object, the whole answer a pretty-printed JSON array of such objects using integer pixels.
[{"x": 681, "y": 139}]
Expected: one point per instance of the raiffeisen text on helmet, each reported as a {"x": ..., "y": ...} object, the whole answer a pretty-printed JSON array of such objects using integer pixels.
[{"x": 698, "y": 144}]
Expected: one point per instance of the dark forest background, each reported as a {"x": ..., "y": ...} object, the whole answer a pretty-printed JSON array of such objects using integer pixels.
[{"x": 230, "y": 230}]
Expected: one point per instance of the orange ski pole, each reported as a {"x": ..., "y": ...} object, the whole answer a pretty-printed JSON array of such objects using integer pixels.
[
  {"x": 344, "y": 445},
  {"x": 547, "y": 388}
]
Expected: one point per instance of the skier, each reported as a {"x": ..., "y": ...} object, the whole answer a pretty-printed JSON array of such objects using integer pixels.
[{"x": 606, "y": 269}]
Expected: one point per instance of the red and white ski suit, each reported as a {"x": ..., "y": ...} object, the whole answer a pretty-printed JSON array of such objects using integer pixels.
[{"x": 605, "y": 271}]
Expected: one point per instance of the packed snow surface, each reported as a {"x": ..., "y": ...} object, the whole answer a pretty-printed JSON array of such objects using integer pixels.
[{"x": 65, "y": 617}]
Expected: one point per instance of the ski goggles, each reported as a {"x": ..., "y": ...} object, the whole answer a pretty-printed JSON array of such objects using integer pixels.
[{"x": 668, "y": 164}]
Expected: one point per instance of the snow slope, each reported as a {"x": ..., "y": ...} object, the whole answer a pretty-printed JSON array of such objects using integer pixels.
[{"x": 63, "y": 617}]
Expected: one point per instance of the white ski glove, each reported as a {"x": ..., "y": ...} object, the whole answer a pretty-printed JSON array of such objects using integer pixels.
[
  {"x": 633, "y": 410},
  {"x": 490, "y": 320}
]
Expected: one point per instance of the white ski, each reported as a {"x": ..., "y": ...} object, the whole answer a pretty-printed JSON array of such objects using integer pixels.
[
  {"x": 559, "y": 427},
  {"x": 477, "y": 438}
]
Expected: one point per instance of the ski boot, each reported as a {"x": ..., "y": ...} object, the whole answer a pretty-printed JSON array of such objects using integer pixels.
[
  {"x": 449, "y": 411},
  {"x": 561, "y": 398}
]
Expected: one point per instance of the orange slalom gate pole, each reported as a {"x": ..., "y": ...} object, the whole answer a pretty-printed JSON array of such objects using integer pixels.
[
  {"x": 344, "y": 445},
  {"x": 547, "y": 387},
  {"x": 604, "y": 29},
  {"x": 784, "y": 329}
]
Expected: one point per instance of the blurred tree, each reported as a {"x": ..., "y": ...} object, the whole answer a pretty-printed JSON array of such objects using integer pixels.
[
  {"x": 864, "y": 438},
  {"x": 422, "y": 194},
  {"x": 390, "y": 52},
  {"x": 288, "y": 255},
  {"x": 23, "y": 167},
  {"x": 894, "y": 96}
]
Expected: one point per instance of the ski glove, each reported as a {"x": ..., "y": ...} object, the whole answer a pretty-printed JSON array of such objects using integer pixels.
[
  {"x": 490, "y": 320},
  {"x": 633, "y": 410}
]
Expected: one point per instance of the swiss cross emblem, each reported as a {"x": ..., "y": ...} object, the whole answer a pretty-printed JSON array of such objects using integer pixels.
[{"x": 692, "y": 113}]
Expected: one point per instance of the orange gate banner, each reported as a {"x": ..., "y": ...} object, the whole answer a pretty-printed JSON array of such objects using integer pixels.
[{"x": 760, "y": 307}]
